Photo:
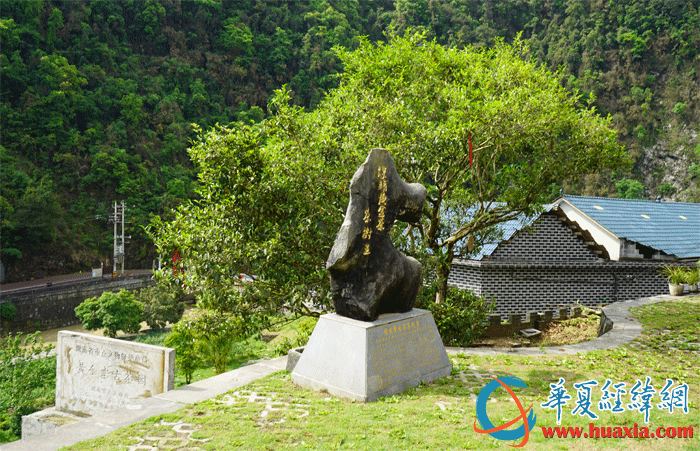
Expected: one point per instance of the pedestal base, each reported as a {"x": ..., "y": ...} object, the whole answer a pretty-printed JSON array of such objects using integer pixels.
[
  {"x": 45, "y": 420},
  {"x": 364, "y": 360}
]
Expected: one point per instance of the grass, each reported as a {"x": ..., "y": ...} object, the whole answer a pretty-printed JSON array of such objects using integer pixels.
[
  {"x": 573, "y": 330},
  {"x": 272, "y": 413},
  {"x": 558, "y": 333}
]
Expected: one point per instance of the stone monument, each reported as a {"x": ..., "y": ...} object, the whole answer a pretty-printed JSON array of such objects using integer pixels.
[
  {"x": 95, "y": 374},
  {"x": 376, "y": 344},
  {"x": 368, "y": 275}
]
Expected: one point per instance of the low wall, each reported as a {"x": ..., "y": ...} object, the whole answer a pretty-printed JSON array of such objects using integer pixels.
[
  {"x": 54, "y": 306},
  {"x": 533, "y": 320}
]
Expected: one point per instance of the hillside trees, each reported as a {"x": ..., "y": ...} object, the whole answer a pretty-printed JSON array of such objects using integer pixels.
[
  {"x": 90, "y": 81},
  {"x": 273, "y": 195},
  {"x": 100, "y": 97},
  {"x": 638, "y": 59}
]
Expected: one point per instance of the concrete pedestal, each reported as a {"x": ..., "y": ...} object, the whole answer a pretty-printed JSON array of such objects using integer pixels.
[
  {"x": 44, "y": 420},
  {"x": 364, "y": 360}
]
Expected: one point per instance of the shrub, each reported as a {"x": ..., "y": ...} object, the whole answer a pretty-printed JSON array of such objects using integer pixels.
[
  {"x": 461, "y": 319},
  {"x": 160, "y": 306},
  {"x": 214, "y": 332},
  {"x": 629, "y": 189},
  {"x": 305, "y": 328},
  {"x": 680, "y": 108},
  {"x": 666, "y": 189},
  {"x": 187, "y": 357},
  {"x": 8, "y": 311},
  {"x": 7, "y": 314},
  {"x": 113, "y": 311},
  {"x": 27, "y": 381}
]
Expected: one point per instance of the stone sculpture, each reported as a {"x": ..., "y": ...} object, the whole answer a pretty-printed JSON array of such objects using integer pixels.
[{"x": 368, "y": 275}]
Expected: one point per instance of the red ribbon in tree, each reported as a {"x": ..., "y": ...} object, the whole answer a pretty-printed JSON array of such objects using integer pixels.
[
  {"x": 176, "y": 258},
  {"x": 470, "y": 150}
]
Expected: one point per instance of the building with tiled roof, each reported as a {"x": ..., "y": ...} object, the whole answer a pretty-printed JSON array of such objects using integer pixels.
[
  {"x": 582, "y": 250},
  {"x": 637, "y": 229}
]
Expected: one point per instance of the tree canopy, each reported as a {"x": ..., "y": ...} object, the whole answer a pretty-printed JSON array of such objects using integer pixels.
[{"x": 273, "y": 195}]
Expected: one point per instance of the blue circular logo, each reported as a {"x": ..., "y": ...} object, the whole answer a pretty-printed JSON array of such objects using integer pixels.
[{"x": 500, "y": 432}]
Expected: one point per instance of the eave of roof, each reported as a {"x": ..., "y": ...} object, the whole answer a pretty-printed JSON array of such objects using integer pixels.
[{"x": 670, "y": 227}]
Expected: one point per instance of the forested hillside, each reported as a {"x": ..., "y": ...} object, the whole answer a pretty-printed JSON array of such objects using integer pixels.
[{"x": 99, "y": 97}]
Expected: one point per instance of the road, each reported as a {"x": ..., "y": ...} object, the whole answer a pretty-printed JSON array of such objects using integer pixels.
[{"x": 56, "y": 280}]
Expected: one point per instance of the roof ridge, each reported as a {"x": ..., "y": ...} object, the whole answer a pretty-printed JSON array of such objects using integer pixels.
[{"x": 564, "y": 196}]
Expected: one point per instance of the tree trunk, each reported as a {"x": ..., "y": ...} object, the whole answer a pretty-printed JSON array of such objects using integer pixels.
[{"x": 443, "y": 273}]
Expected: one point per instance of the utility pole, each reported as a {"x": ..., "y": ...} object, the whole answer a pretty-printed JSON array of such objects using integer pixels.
[
  {"x": 119, "y": 241},
  {"x": 123, "y": 242}
]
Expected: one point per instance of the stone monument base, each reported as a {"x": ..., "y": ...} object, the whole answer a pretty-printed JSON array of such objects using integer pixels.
[
  {"x": 364, "y": 360},
  {"x": 45, "y": 420}
]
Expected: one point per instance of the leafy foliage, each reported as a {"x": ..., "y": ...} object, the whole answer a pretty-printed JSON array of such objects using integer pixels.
[
  {"x": 7, "y": 311},
  {"x": 209, "y": 333},
  {"x": 305, "y": 328},
  {"x": 271, "y": 200},
  {"x": 160, "y": 306},
  {"x": 629, "y": 189},
  {"x": 461, "y": 318},
  {"x": 187, "y": 357},
  {"x": 691, "y": 276},
  {"x": 111, "y": 311},
  {"x": 674, "y": 274},
  {"x": 98, "y": 97},
  {"x": 27, "y": 381},
  {"x": 526, "y": 130}
]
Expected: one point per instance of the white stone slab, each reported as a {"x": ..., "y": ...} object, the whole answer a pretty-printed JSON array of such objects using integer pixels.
[
  {"x": 95, "y": 374},
  {"x": 364, "y": 360},
  {"x": 44, "y": 420}
]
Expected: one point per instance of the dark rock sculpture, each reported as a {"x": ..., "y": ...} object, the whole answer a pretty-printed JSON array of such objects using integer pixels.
[{"x": 368, "y": 275}]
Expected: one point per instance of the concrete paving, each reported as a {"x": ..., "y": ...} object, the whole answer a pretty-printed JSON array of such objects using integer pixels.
[{"x": 625, "y": 329}]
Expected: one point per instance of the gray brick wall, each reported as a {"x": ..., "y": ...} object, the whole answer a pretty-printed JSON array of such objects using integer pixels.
[
  {"x": 548, "y": 239},
  {"x": 549, "y": 268}
]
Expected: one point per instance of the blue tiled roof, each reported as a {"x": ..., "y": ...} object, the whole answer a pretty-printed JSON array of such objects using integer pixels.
[{"x": 671, "y": 227}]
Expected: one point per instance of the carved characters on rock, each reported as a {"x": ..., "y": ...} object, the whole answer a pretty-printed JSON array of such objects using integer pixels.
[{"x": 369, "y": 276}]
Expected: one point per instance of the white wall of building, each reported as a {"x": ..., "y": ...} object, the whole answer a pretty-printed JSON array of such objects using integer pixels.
[{"x": 601, "y": 235}]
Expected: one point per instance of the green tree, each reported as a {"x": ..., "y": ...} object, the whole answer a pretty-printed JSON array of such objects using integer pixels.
[
  {"x": 160, "y": 306},
  {"x": 273, "y": 195},
  {"x": 187, "y": 357},
  {"x": 237, "y": 39},
  {"x": 36, "y": 215},
  {"x": 629, "y": 189},
  {"x": 111, "y": 311},
  {"x": 524, "y": 130}
]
